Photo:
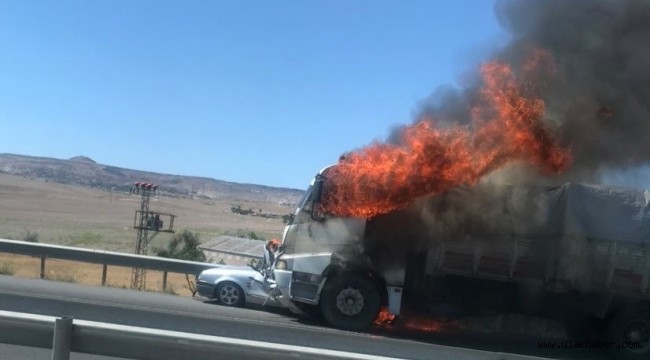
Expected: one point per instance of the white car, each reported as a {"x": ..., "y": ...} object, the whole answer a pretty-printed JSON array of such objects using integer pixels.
[{"x": 236, "y": 286}]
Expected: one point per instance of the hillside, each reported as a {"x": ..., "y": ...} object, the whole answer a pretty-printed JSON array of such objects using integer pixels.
[{"x": 81, "y": 170}]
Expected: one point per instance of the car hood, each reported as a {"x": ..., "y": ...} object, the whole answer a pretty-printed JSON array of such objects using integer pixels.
[{"x": 230, "y": 271}]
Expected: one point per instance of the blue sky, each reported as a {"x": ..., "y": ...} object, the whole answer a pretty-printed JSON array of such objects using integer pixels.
[{"x": 247, "y": 91}]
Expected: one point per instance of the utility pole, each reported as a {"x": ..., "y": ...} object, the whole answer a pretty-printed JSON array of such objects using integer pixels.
[{"x": 148, "y": 224}]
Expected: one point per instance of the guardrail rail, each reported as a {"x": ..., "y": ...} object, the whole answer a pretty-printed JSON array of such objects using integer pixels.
[
  {"x": 66, "y": 335},
  {"x": 105, "y": 258}
]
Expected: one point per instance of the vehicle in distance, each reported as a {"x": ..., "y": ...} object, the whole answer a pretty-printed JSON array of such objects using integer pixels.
[{"x": 235, "y": 286}]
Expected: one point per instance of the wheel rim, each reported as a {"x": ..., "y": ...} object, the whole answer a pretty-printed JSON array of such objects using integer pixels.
[
  {"x": 638, "y": 331},
  {"x": 350, "y": 301},
  {"x": 229, "y": 294}
]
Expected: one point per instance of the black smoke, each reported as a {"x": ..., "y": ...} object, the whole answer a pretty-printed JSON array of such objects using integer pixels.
[
  {"x": 598, "y": 101},
  {"x": 597, "y": 105}
]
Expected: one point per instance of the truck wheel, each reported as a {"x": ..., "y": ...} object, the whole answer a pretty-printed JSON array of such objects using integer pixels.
[
  {"x": 350, "y": 302},
  {"x": 630, "y": 330}
]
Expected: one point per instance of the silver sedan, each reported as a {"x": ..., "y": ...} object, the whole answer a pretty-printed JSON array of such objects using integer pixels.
[{"x": 235, "y": 286}]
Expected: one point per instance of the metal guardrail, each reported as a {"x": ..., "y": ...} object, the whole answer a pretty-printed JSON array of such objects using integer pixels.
[
  {"x": 65, "y": 335},
  {"x": 105, "y": 258}
]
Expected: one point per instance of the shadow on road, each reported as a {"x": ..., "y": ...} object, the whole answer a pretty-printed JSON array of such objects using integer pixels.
[{"x": 486, "y": 341}]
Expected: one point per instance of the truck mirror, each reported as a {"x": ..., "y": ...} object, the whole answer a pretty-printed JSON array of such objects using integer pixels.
[{"x": 316, "y": 212}]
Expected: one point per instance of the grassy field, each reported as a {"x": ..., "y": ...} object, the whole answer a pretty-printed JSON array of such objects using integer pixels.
[
  {"x": 91, "y": 218},
  {"x": 88, "y": 274},
  {"x": 95, "y": 219}
]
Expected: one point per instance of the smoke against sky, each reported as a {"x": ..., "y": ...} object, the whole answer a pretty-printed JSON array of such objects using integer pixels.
[
  {"x": 598, "y": 101},
  {"x": 566, "y": 100},
  {"x": 597, "y": 104}
]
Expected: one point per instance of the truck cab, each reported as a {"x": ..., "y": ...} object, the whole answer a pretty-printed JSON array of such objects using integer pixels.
[{"x": 322, "y": 267}]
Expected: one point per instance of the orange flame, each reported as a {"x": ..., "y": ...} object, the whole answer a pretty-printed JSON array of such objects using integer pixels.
[
  {"x": 411, "y": 322},
  {"x": 384, "y": 318},
  {"x": 423, "y": 324},
  {"x": 507, "y": 126}
]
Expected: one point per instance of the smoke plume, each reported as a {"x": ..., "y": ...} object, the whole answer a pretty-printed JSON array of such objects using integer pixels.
[
  {"x": 598, "y": 101},
  {"x": 596, "y": 105}
]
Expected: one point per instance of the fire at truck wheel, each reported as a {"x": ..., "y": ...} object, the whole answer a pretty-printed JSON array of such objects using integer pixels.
[
  {"x": 350, "y": 302},
  {"x": 630, "y": 330}
]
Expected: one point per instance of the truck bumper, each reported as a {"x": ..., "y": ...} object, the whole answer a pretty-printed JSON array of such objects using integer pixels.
[
  {"x": 298, "y": 286},
  {"x": 283, "y": 282}
]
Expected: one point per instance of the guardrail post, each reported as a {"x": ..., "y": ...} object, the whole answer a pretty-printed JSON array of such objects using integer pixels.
[
  {"x": 104, "y": 268},
  {"x": 62, "y": 338},
  {"x": 164, "y": 280},
  {"x": 43, "y": 267}
]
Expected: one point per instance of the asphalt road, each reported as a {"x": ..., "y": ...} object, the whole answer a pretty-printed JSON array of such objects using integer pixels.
[
  {"x": 14, "y": 352},
  {"x": 177, "y": 313}
]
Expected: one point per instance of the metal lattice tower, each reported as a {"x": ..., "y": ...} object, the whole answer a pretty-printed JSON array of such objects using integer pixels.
[
  {"x": 146, "y": 221},
  {"x": 139, "y": 275}
]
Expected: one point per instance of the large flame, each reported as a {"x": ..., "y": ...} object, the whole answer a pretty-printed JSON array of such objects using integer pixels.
[{"x": 506, "y": 126}]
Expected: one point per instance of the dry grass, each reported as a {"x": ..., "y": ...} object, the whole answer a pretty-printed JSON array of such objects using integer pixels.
[
  {"x": 90, "y": 274},
  {"x": 91, "y": 218}
]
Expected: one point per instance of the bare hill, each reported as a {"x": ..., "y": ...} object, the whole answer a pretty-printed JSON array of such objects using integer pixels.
[{"x": 81, "y": 170}]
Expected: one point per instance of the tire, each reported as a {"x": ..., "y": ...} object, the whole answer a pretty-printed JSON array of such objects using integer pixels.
[
  {"x": 630, "y": 325},
  {"x": 229, "y": 294},
  {"x": 350, "y": 302}
]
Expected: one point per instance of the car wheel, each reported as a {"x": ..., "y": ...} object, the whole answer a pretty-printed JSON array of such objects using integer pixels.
[
  {"x": 229, "y": 294},
  {"x": 350, "y": 302}
]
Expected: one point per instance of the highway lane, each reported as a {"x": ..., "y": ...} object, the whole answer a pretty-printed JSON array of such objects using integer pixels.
[
  {"x": 15, "y": 352},
  {"x": 177, "y": 313},
  {"x": 182, "y": 314}
]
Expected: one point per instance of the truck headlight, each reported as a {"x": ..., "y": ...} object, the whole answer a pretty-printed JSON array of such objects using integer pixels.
[{"x": 281, "y": 265}]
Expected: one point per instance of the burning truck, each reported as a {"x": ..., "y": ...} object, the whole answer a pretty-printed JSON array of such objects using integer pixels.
[
  {"x": 572, "y": 252},
  {"x": 434, "y": 220},
  {"x": 483, "y": 204},
  {"x": 544, "y": 251}
]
